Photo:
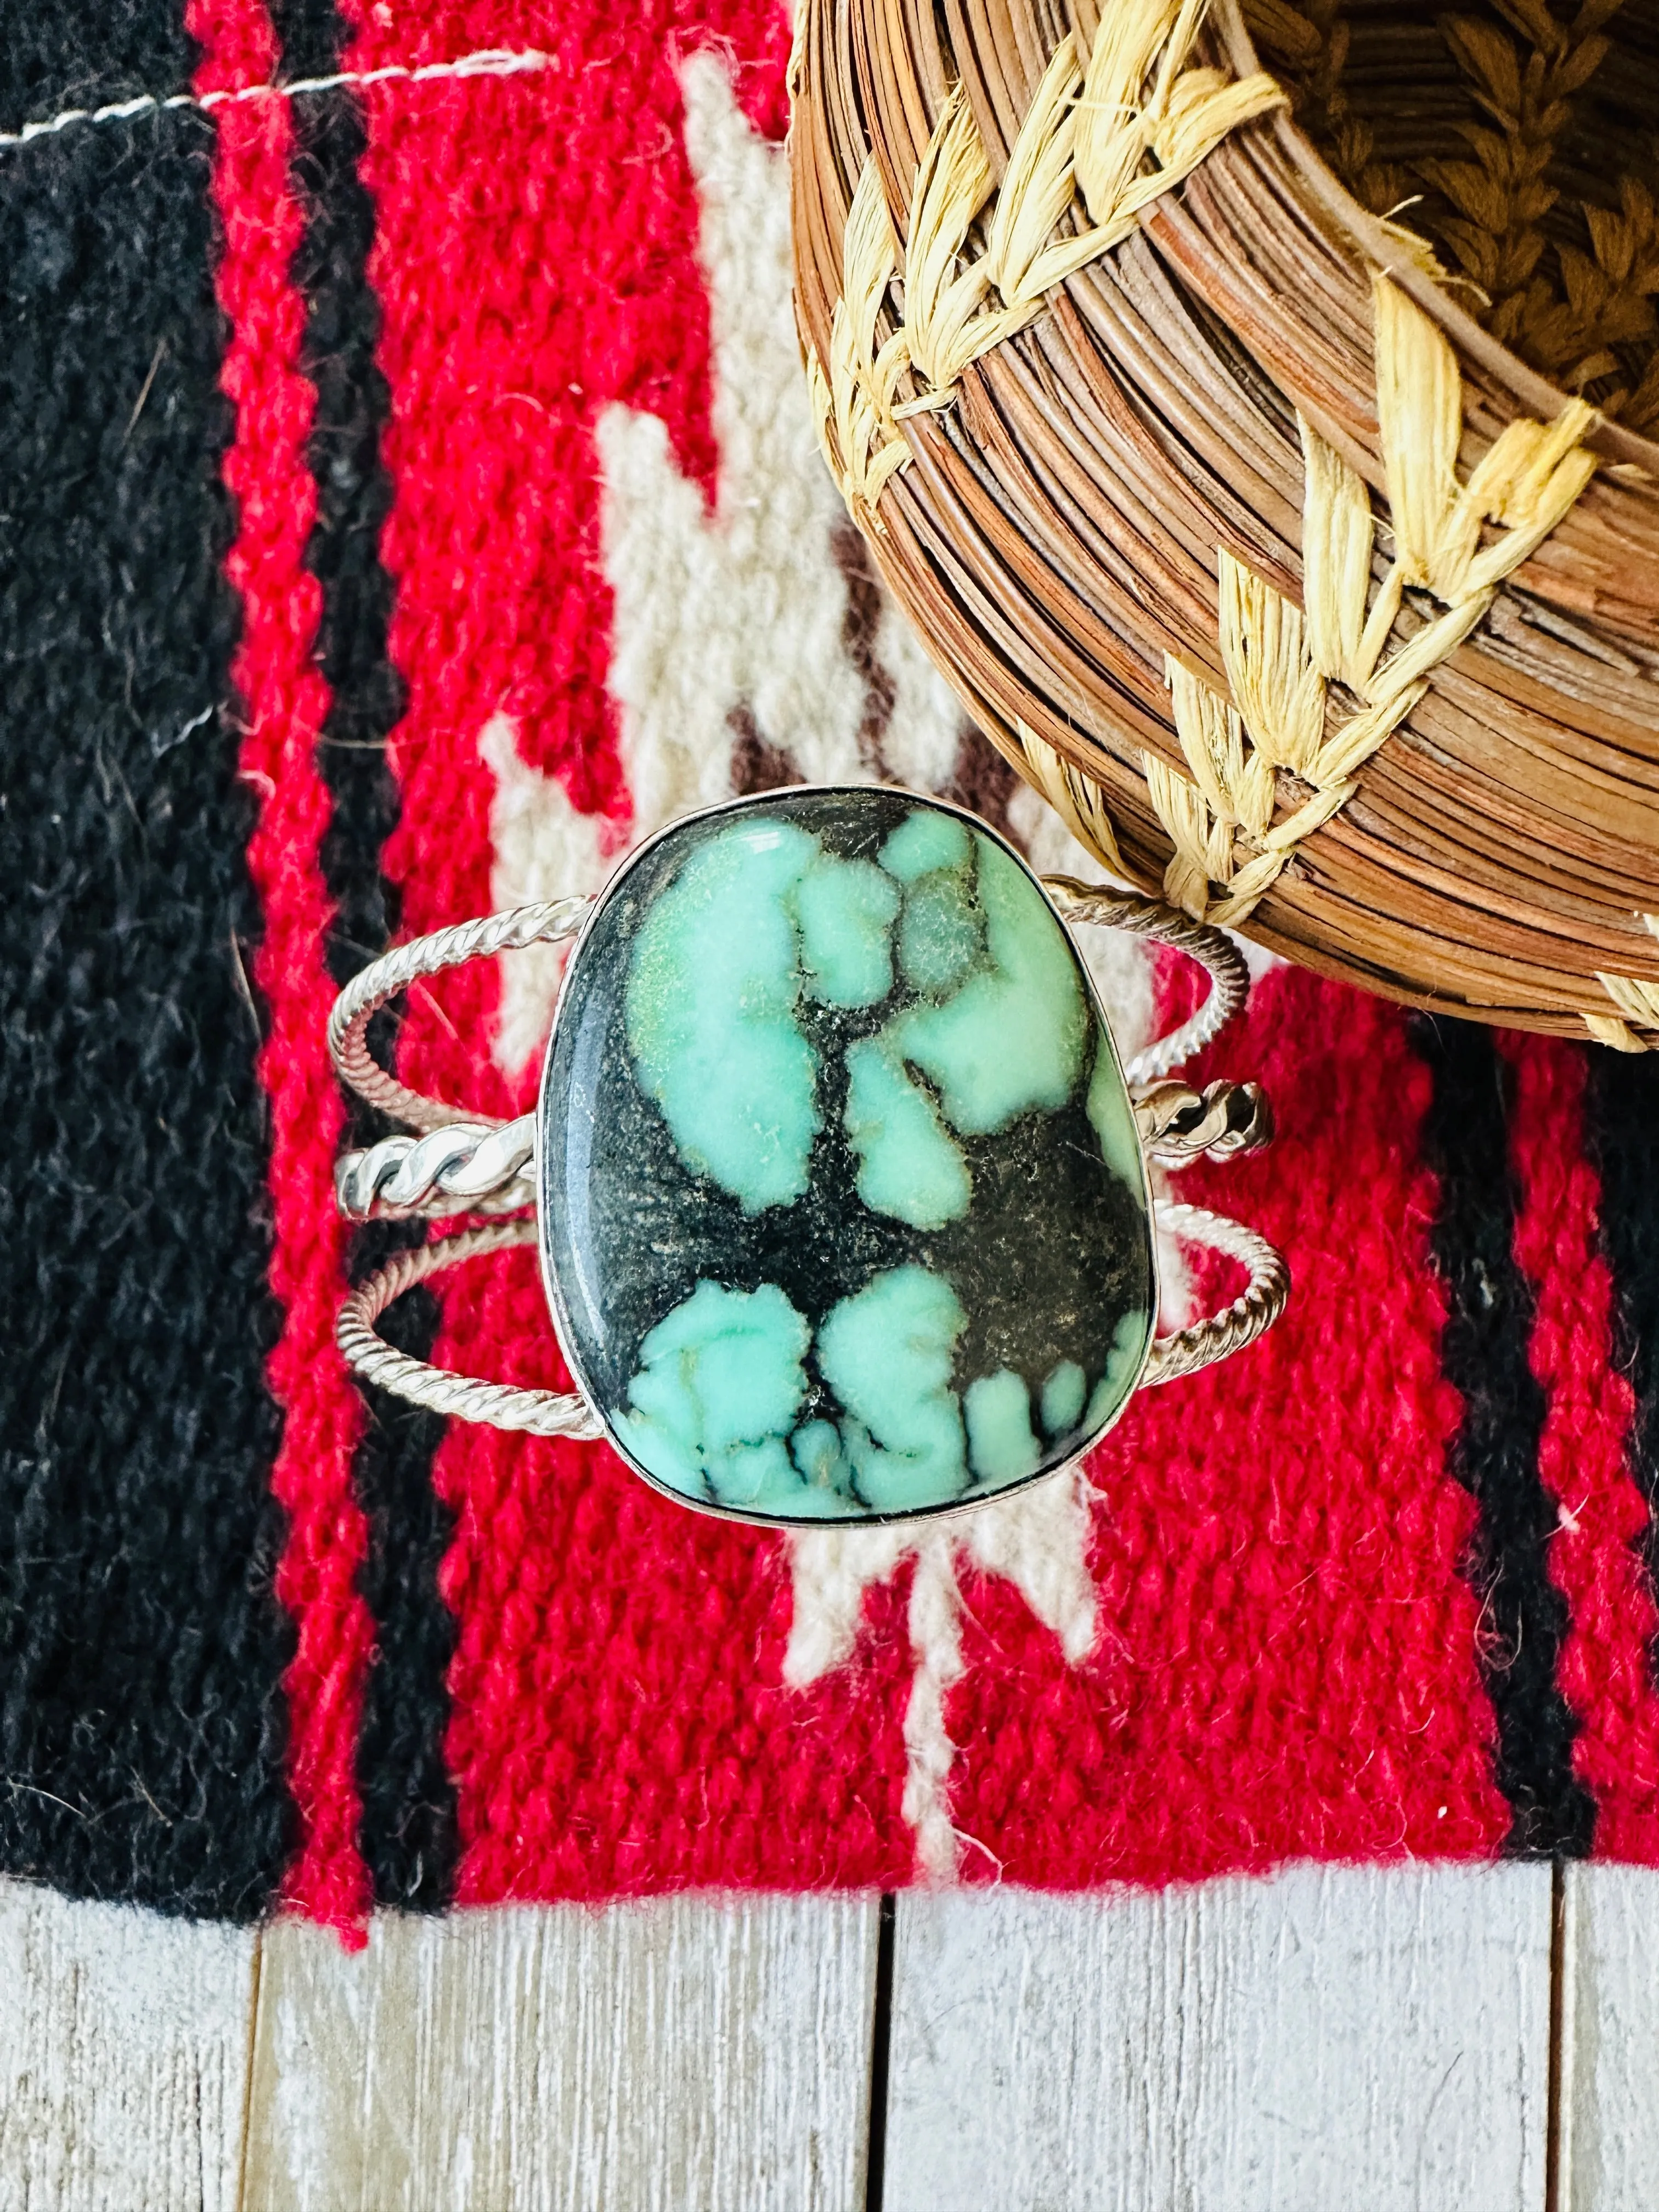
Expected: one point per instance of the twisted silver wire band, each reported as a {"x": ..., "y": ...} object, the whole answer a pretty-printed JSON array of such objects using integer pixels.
[
  {"x": 1214, "y": 951},
  {"x": 1253, "y": 1312},
  {"x": 562, "y": 1414},
  {"x": 479, "y": 1167},
  {"x": 1178, "y": 1124},
  {"x": 477, "y": 1162},
  {"x": 498, "y": 1405},
  {"x": 384, "y": 978}
]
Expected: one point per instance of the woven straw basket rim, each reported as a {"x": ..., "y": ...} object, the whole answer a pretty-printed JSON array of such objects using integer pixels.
[
  {"x": 1470, "y": 821},
  {"x": 1532, "y": 392}
]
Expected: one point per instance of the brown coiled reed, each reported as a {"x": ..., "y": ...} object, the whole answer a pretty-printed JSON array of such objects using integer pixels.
[{"x": 1251, "y": 405}]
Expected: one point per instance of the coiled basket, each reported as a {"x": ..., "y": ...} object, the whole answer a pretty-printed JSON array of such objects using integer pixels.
[{"x": 1250, "y": 406}]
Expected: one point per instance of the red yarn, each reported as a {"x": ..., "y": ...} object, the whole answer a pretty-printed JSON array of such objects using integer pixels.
[
  {"x": 1605, "y": 1669},
  {"x": 1286, "y": 1653},
  {"x": 618, "y": 1722},
  {"x": 1286, "y": 1656},
  {"x": 284, "y": 699}
]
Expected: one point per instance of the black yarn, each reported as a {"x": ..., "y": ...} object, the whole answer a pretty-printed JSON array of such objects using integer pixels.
[
  {"x": 409, "y": 1834},
  {"x": 354, "y": 494},
  {"x": 141, "y": 1644},
  {"x": 1622, "y": 1117},
  {"x": 311, "y": 34},
  {"x": 1485, "y": 1354},
  {"x": 88, "y": 54}
]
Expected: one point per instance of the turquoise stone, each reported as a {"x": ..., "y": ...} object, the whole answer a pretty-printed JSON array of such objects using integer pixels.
[{"x": 844, "y": 1217}]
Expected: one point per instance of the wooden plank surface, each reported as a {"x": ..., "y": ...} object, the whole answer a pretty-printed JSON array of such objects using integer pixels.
[
  {"x": 1337, "y": 2036},
  {"x": 663, "y": 2057},
  {"x": 124, "y": 2042},
  {"x": 1609, "y": 2009},
  {"x": 1347, "y": 2036}
]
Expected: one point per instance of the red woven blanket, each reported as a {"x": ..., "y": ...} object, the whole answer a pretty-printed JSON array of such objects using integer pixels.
[{"x": 414, "y": 502}]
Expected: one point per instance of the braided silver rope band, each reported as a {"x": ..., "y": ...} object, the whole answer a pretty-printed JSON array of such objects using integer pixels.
[
  {"x": 1250, "y": 1314},
  {"x": 478, "y": 1167},
  {"x": 1178, "y": 1124},
  {"x": 1214, "y": 951},
  {"x": 478, "y": 1161},
  {"x": 543, "y": 1412},
  {"x": 562, "y": 1414},
  {"x": 499, "y": 1405},
  {"x": 384, "y": 978}
]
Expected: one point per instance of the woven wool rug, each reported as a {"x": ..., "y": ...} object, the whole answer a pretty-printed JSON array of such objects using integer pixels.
[{"x": 410, "y": 501}]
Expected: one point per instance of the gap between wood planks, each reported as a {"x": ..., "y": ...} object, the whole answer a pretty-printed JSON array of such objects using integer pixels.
[
  {"x": 1469, "y": 2041},
  {"x": 248, "y": 2070},
  {"x": 881, "y": 2040},
  {"x": 1557, "y": 1970}
]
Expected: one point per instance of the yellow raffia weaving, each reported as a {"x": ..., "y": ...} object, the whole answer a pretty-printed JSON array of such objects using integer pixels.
[
  {"x": 1080, "y": 804},
  {"x": 1311, "y": 695},
  {"x": 853, "y": 407},
  {"x": 1088, "y": 137},
  {"x": 1281, "y": 662},
  {"x": 1637, "y": 1002}
]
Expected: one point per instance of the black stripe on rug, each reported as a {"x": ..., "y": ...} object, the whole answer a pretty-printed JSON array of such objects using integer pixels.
[
  {"x": 141, "y": 1642},
  {"x": 1523, "y": 1617},
  {"x": 408, "y": 1829},
  {"x": 1621, "y": 1137},
  {"x": 87, "y": 56}
]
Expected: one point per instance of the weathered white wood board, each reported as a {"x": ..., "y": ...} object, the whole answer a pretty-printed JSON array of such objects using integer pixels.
[
  {"x": 1609, "y": 2126},
  {"x": 124, "y": 2042},
  {"x": 1349, "y": 2035},
  {"x": 684, "y": 2056},
  {"x": 1338, "y": 2036}
]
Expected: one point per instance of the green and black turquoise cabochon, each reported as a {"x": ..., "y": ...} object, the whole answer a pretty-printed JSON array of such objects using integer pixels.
[{"x": 844, "y": 1215}]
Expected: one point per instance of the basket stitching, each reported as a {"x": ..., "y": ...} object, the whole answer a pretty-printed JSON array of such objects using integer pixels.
[
  {"x": 1281, "y": 659},
  {"x": 1080, "y": 804},
  {"x": 1086, "y": 136},
  {"x": 1565, "y": 282},
  {"x": 1638, "y": 1001},
  {"x": 853, "y": 405}
]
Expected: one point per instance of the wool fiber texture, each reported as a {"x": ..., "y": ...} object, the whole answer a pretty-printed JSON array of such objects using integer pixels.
[
  {"x": 141, "y": 1741},
  {"x": 412, "y": 503}
]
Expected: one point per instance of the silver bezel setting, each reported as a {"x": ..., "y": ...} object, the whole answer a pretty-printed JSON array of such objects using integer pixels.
[{"x": 550, "y": 1286}]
